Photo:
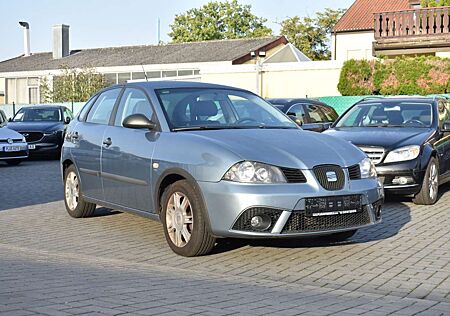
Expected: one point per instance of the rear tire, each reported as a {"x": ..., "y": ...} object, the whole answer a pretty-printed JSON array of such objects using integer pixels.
[
  {"x": 184, "y": 221},
  {"x": 428, "y": 194},
  {"x": 76, "y": 206},
  {"x": 343, "y": 235},
  {"x": 13, "y": 162}
]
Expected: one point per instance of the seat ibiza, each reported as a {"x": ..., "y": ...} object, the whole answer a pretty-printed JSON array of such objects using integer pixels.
[{"x": 184, "y": 154}]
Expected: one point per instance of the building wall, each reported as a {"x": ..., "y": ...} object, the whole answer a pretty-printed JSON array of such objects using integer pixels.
[
  {"x": 352, "y": 45},
  {"x": 2, "y": 90}
]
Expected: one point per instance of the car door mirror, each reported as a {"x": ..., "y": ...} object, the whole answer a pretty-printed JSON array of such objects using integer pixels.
[
  {"x": 446, "y": 127},
  {"x": 138, "y": 121},
  {"x": 293, "y": 117},
  {"x": 67, "y": 120}
]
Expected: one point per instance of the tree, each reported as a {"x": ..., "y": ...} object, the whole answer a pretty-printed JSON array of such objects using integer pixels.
[
  {"x": 434, "y": 3},
  {"x": 218, "y": 20},
  {"x": 312, "y": 35},
  {"x": 75, "y": 85}
]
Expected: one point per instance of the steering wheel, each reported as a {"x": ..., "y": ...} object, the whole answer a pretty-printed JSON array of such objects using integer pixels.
[
  {"x": 414, "y": 122},
  {"x": 246, "y": 119}
]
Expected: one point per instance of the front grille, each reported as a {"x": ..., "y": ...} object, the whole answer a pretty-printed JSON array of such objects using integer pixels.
[
  {"x": 243, "y": 222},
  {"x": 5, "y": 141},
  {"x": 330, "y": 177},
  {"x": 299, "y": 222},
  {"x": 12, "y": 154},
  {"x": 293, "y": 175},
  {"x": 354, "y": 172},
  {"x": 376, "y": 154},
  {"x": 32, "y": 136}
]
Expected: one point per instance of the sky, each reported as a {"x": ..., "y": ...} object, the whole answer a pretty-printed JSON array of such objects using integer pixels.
[{"x": 105, "y": 23}]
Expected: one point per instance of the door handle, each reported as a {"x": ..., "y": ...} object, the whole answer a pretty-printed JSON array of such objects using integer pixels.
[{"x": 107, "y": 142}]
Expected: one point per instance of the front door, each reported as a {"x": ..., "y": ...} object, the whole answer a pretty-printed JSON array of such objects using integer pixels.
[
  {"x": 87, "y": 137},
  {"x": 443, "y": 144},
  {"x": 127, "y": 155}
]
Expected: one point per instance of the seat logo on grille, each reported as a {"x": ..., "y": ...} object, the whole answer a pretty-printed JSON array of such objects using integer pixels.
[
  {"x": 25, "y": 134},
  {"x": 10, "y": 141},
  {"x": 331, "y": 176}
]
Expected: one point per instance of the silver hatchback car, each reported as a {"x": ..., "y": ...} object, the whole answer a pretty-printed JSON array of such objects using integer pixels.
[{"x": 212, "y": 161}]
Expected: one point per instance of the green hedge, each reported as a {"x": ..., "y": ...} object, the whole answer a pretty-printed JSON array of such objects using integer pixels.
[{"x": 403, "y": 75}]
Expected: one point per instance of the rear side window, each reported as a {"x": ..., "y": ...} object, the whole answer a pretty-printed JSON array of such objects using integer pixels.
[
  {"x": 298, "y": 111},
  {"x": 100, "y": 112},
  {"x": 329, "y": 113},
  {"x": 85, "y": 109},
  {"x": 315, "y": 114}
]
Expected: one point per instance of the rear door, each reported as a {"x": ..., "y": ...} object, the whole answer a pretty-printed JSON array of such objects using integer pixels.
[
  {"x": 87, "y": 137},
  {"x": 127, "y": 155}
]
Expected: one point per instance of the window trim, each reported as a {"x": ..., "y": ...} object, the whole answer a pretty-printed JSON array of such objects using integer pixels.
[{"x": 113, "y": 108}]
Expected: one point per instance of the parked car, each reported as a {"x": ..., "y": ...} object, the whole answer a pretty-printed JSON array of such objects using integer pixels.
[
  {"x": 408, "y": 139},
  {"x": 13, "y": 147},
  {"x": 310, "y": 114},
  {"x": 43, "y": 127},
  {"x": 182, "y": 153}
]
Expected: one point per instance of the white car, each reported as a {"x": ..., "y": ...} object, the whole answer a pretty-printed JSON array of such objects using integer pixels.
[{"x": 13, "y": 147}]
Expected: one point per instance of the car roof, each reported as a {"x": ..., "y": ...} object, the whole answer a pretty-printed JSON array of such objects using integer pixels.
[
  {"x": 171, "y": 84},
  {"x": 399, "y": 99},
  {"x": 290, "y": 101},
  {"x": 45, "y": 106}
]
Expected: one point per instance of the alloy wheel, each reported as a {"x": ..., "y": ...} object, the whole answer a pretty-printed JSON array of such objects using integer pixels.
[
  {"x": 179, "y": 219},
  {"x": 72, "y": 190},
  {"x": 433, "y": 181}
]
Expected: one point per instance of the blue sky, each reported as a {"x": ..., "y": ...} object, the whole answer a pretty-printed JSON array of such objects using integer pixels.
[{"x": 102, "y": 23}]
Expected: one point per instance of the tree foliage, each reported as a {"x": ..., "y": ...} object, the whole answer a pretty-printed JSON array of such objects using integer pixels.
[
  {"x": 311, "y": 35},
  {"x": 434, "y": 3},
  {"x": 218, "y": 20},
  {"x": 76, "y": 85},
  {"x": 401, "y": 76}
]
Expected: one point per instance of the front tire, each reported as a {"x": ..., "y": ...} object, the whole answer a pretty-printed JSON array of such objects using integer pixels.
[
  {"x": 428, "y": 194},
  {"x": 184, "y": 221},
  {"x": 76, "y": 206}
]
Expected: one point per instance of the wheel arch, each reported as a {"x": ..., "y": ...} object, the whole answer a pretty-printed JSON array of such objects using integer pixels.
[{"x": 171, "y": 176}]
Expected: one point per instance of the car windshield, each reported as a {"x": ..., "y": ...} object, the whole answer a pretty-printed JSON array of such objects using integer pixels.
[
  {"x": 388, "y": 114},
  {"x": 37, "y": 115},
  {"x": 195, "y": 109}
]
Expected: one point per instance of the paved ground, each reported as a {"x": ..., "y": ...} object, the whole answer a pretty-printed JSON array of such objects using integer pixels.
[{"x": 117, "y": 263}]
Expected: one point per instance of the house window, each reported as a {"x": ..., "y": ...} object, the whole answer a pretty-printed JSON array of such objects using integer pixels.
[
  {"x": 33, "y": 95},
  {"x": 138, "y": 75},
  {"x": 169, "y": 73},
  {"x": 123, "y": 77},
  {"x": 111, "y": 79},
  {"x": 153, "y": 74}
]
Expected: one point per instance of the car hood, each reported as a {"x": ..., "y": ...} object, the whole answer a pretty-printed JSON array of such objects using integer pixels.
[
  {"x": 292, "y": 148},
  {"x": 389, "y": 138},
  {"x": 36, "y": 126},
  {"x": 6, "y": 133}
]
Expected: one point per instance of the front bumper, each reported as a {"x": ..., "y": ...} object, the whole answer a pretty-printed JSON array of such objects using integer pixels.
[
  {"x": 227, "y": 202},
  {"x": 10, "y": 155},
  {"x": 388, "y": 174},
  {"x": 47, "y": 145}
]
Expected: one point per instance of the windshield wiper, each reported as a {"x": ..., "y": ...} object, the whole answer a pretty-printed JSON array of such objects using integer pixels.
[{"x": 215, "y": 127}]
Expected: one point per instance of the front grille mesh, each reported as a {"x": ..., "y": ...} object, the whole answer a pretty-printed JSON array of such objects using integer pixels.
[
  {"x": 14, "y": 140},
  {"x": 299, "y": 222},
  {"x": 321, "y": 175},
  {"x": 32, "y": 136},
  {"x": 375, "y": 154},
  {"x": 243, "y": 222},
  {"x": 354, "y": 172},
  {"x": 293, "y": 175}
]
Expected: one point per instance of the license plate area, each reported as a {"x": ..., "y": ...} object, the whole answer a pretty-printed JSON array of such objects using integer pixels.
[
  {"x": 333, "y": 205},
  {"x": 31, "y": 146},
  {"x": 12, "y": 148}
]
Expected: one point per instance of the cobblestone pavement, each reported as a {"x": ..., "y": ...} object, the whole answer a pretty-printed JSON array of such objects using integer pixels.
[{"x": 118, "y": 263}]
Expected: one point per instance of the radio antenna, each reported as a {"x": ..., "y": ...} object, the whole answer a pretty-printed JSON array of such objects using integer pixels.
[{"x": 145, "y": 74}]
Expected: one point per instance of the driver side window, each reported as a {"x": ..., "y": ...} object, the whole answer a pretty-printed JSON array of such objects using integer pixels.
[{"x": 133, "y": 101}]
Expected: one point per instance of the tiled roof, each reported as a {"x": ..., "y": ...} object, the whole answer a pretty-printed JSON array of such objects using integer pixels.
[
  {"x": 195, "y": 52},
  {"x": 360, "y": 15}
]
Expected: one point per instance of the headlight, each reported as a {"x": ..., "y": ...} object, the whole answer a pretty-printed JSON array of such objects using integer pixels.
[
  {"x": 403, "y": 154},
  {"x": 254, "y": 172},
  {"x": 367, "y": 168}
]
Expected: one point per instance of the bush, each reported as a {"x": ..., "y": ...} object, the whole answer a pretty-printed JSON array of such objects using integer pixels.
[
  {"x": 403, "y": 75},
  {"x": 356, "y": 78}
]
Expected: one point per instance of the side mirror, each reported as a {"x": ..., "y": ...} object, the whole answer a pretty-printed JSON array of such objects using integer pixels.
[
  {"x": 446, "y": 127},
  {"x": 138, "y": 121},
  {"x": 293, "y": 117},
  {"x": 67, "y": 120}
]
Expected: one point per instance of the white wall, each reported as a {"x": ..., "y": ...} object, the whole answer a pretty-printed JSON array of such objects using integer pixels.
[{"x": 352, "y": 45}]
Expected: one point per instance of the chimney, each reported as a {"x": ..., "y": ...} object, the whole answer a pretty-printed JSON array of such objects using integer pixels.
[
  {"x": 60, "y": 41},
  {"x": 26, "y": 37}
]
